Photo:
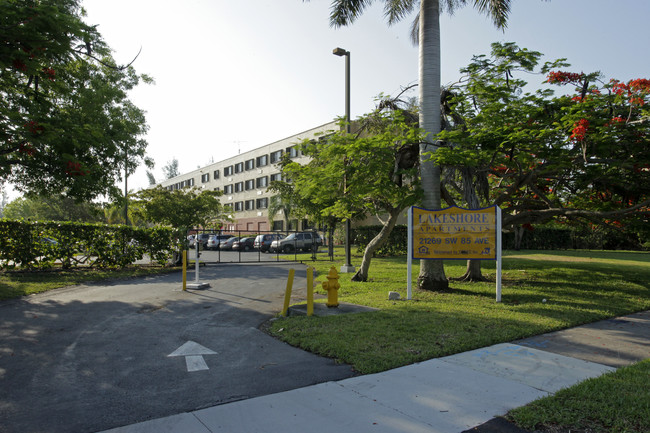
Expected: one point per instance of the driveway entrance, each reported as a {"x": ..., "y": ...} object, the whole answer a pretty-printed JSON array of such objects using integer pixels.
[{"x": 95, "y": 357}]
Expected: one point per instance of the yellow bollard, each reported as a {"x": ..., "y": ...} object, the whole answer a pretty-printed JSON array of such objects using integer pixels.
[
  {"x": 310, "y": 291},
  {"x": 287, "y": 292},
  {"x": 184, "y": 270},
  {"x": 332, "y": 286}
]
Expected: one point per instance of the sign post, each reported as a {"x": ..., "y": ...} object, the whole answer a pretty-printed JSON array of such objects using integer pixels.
[{"x": 454, "y": 233}]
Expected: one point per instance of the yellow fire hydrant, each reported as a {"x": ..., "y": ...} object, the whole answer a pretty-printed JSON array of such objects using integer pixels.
[{"x": 332, "y": 286}]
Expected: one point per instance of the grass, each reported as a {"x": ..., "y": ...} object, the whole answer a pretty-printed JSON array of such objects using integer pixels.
[
  {"x": 14, "y": 284},
  {"x": 617, "y": 402},
  {"x": 578, "y": 287}
]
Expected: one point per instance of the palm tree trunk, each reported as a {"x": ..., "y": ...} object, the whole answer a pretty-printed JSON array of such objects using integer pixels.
[
  {"x": 432, "y": 273},
  {"x": 376, "y": 243}
]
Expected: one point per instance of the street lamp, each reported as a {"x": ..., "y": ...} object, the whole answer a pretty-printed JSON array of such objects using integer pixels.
[{"x": 341, "y": 52}]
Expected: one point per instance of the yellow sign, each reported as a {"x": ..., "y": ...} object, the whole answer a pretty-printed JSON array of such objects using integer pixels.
[{"x": 455, "y": 233}]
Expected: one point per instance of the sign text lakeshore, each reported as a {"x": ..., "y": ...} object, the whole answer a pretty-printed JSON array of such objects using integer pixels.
[{"x": 455, "y": 233}]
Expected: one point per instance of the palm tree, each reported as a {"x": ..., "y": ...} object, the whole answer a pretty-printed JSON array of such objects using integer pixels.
[
  {"x": 279, "y": 203},
  {"x": 427, "y": 24}
]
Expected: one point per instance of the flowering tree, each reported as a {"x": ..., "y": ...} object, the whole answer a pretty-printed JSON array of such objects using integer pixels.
[
  {"x": 66, "y": 123},
  {"x": 583, "y": 155}
]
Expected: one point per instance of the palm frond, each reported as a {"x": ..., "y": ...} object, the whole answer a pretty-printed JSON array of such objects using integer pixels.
[
  {"x": 498, "y": 10},
  {"x": 345, "y": 12},
  {"x": 395, "y": 10}
]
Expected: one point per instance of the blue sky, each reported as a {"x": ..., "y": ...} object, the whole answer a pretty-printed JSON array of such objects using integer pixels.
[{"x": 235, "y": 75}]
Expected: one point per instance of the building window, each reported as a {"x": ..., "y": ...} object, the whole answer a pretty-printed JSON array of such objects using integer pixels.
[
  {"x": 239, "y": 167},
  {"x": 215, "y": 175},
  {"x": 262, "y": 160},
  {"x": 275, "y": 156},
  {"x": 205, "y": 178},
  {"x": 262, "y": 182},
  {"x": 249, "y": 204},
  {"x": 217, "y": 189},
  {"x": 276, "y": 176},
  {"x": 250, "y": 184},
  {"x": 250, "y": 164},
  {"x": 262, "y": 203},
  {"x": 278, "y": 225},
  {"x": 239, "y": 186},
  {"x": 227, "y": 171},
  {"x": 227, "y": 189},
  {"x": 293, "y": 152},
  {"x": 239, "y": 206}
]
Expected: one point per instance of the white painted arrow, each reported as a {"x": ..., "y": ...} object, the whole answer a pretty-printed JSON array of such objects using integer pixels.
[{"x": 193, "y": 353}]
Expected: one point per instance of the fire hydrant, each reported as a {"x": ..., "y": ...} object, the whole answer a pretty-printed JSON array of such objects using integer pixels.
[{"x": 332, "y": 286}]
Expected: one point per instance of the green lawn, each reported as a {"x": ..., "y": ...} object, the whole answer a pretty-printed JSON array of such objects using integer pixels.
[
  {"x": 617, "y": 402},
  {"x": 579, "y": 287}
]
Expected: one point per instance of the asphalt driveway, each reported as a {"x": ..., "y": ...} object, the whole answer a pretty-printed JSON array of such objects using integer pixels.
[{"x": 98, "y": 356}]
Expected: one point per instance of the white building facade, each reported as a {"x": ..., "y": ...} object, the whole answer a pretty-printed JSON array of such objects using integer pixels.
[{"x": 244, "y": 181}]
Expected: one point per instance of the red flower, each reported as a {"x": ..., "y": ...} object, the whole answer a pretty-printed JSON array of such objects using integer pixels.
[
  {"x": 75, "y": 169},
  {"x": 20, "y": 65},
  {"x": 49, "y": 73},
  {"x": 560, "y": 77},
  {"x": 33, "y": 127},
  {"x": 27, "y": 149},
  {"x": 579, "y": 130}
]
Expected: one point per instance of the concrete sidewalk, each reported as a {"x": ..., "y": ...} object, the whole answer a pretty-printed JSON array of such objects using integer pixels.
[{"x": 451, "y": 394}]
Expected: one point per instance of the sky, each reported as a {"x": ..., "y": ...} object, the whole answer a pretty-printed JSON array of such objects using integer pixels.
[{"x": 231, "y": 76}]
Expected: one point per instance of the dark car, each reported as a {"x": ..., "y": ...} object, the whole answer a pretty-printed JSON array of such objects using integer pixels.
[
  {"x": 244, "y": 244},
  {"x": 263, "y": 242},
  {"x": 227, "y": 244}
]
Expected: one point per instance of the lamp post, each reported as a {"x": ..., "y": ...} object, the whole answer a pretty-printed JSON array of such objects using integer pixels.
[{"x": 341, "y": 52}]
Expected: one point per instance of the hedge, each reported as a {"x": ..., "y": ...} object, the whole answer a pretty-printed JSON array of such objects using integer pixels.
[
  {"x": 31, "y": 245},
  {"x": 540, "y": 238}
]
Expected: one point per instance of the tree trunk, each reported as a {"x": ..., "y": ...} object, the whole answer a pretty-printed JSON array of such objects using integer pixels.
[
  {"x": 519, "y": 235},
  {"x": 432, "y": 272},
  {"x": 376, "y": 243},
  {"x": 472, "y": 273}
]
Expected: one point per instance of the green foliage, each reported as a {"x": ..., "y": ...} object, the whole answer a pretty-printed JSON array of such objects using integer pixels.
[
  {"x": 396, "y": 244},
  {"x": 66, "y": 123},
  {"x": 29, "y": 245},
  {"x": 53, "y": 208},
  {"x": 181, "y": 209},
  {"x": 582, "y": 156},
  {"x": 352, "y": 175}
]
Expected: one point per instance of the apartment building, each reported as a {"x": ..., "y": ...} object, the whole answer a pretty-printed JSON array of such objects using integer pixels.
[{"x": 244, "y": 180}]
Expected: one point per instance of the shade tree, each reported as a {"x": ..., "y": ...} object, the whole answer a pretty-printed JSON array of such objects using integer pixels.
[
  {"x": 67, "y": 125},
  {"x": 574, "y": 150}
]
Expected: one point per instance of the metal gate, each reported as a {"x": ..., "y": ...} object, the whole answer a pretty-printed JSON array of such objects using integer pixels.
[{"x": 241, "y": 246}]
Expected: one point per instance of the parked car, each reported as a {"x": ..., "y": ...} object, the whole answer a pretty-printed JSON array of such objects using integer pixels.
[
  {"x": 305, "y": 241},
  {"x": 263, "y": 242},
  {"x": 244, "y": 244},
  {"x": 215, "y": 240},
  {"x": 226, "y": 245}
]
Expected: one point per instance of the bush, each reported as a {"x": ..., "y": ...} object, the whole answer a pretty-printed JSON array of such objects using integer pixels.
[
  {"x": 32, "y": 245},
  {"x": 540, "y": 238}
]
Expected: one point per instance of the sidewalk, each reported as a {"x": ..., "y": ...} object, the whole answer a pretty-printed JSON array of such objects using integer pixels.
[{"x": 446, "y": 395}]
